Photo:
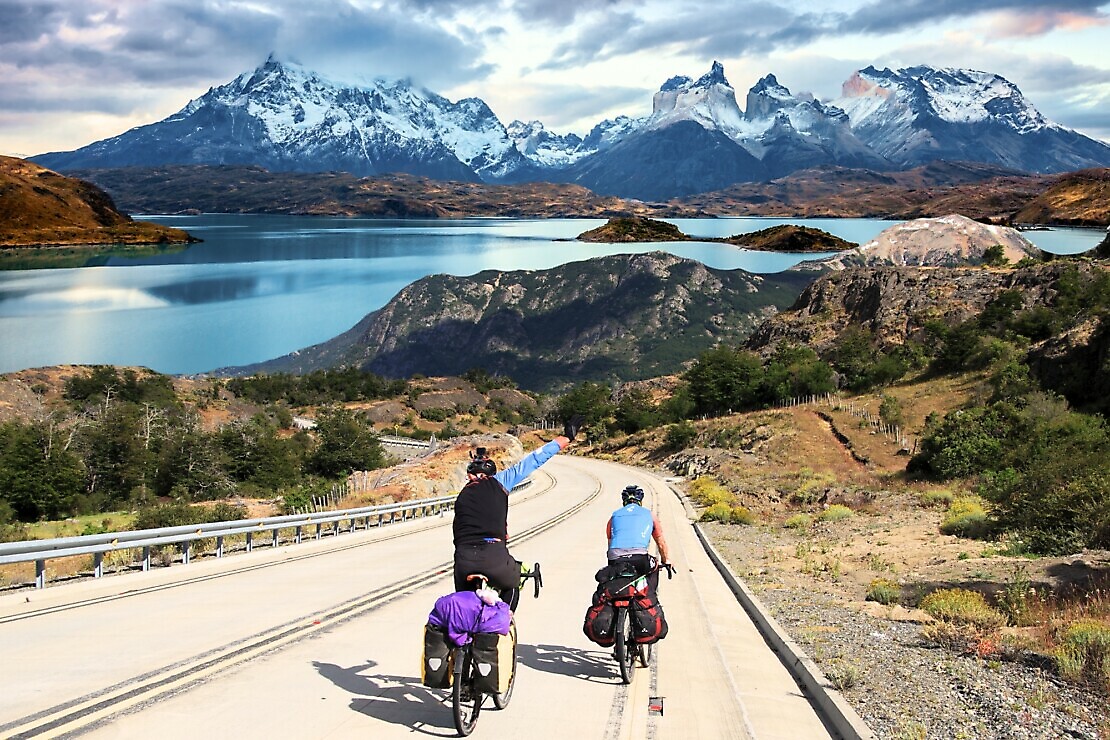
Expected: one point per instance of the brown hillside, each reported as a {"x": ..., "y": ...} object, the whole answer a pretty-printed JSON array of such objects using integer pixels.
[
  {"x": 41, "y": 207},
  {"x": 980, "y": 192},
  {"x": 1081, "y": 198},
  {"x": 248, "y": 189}
]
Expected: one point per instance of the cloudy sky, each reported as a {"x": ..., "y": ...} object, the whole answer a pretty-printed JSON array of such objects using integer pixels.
[{"x": 76, "y": 71}]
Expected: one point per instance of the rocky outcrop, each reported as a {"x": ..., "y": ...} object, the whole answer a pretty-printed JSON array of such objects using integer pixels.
[
  {"x": 947, "y": 241},
  {"x": 895, "y": 302}
]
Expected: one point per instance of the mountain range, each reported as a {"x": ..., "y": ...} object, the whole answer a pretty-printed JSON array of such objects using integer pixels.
[{"x": 283, "y": 117}]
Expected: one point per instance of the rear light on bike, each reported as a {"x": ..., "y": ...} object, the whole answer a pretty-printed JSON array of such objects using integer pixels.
[{"x": 655, "y": 705}]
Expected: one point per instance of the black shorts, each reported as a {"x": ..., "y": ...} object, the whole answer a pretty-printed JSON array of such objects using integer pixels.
[
  {"x": 644, "y": 564},
  {"x": 491, "y": 559}
]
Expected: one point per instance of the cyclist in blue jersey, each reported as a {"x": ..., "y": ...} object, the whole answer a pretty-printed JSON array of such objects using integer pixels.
[
  {"x": 481, "y": 527},
  {"x": 630, "y": 531}
]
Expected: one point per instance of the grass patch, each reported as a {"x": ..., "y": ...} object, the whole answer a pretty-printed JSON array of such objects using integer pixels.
[
  {"x": 884, "y": 591},
  {"x": 706, "y": 491},
  {"x": 936, "y": 498},
  {"x": 960, "y": 606},
  {"x": 1083, "y": 655},
  {"x": 966, "y": 517},
  {"x": 798, "y": 521},
  {"x": 834, "y": 513},
  {"x": 726, "y": 514}
]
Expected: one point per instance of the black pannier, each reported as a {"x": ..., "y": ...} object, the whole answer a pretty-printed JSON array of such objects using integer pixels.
[
  {"x": 493, "y": 657},
  {"x": 436, "y": 667}
]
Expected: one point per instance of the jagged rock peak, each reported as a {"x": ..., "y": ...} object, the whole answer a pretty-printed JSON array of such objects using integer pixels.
[
  {"x": 710, "y": 101},
  {"x": 715, "y": 75}
]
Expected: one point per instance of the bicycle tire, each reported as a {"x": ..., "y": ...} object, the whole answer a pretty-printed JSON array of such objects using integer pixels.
[
  {"x": 501, "y": 700},
  {"x": 465, "y": 705},
  {"x": 625, "y": 649},
  {"x": 645, "y": 654}
]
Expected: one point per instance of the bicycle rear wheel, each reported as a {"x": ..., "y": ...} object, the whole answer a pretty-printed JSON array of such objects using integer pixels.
[
  {"x": 645, "y": 654},
  {"x": 625, "y": 645},
  {"x": 466, "y": 701},
  {"x": 501, "y": 700}
]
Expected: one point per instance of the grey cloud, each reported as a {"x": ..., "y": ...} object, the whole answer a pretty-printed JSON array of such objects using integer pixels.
[
  {"x": 564, "y": 106},
  {"x": 28, "y": 20}
]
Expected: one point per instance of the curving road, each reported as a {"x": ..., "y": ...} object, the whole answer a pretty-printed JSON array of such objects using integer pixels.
[{"x": 323, "y": 640}]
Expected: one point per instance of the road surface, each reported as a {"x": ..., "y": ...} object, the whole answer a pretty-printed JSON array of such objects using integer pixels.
[{"x": 323, "y": 639}]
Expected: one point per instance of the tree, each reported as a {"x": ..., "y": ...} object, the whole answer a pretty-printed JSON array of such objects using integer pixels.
[
  {"x": 38, "y": 479},
  {"x": 344, "y": 444},
  {"x": 591, "y": 400},
  {"x": 724, "y": 379},
  {"x": 635, "y": 411}
]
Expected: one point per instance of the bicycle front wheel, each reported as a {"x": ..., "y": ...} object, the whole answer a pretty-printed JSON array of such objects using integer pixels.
[
  {"x": 625, "y": 646},
  {"x": 466, "y": 701}
]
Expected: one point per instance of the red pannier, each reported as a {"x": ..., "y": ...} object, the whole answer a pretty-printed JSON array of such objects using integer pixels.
[
  {"x": 600, "y": 622},
  {"x": 648, "y": 623}
]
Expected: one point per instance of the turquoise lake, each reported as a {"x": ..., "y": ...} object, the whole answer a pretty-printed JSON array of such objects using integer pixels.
[{"x": 262, "y": 286}]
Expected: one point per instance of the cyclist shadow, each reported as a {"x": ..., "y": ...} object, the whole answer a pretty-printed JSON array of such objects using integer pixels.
[
  {"x": 588, "y": 665},
  {"x": 399, "y": 700}
]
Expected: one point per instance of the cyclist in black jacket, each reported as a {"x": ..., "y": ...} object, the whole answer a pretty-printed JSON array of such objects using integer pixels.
[{"x": 481, "y": 527}]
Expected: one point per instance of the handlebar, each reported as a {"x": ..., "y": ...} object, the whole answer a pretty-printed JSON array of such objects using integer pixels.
[{"x": 537, "y": 579}]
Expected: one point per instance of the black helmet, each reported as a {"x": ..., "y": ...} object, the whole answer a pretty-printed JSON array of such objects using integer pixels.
[
  {"x": 481, "y": 466},
  {"x": 632, "y": 494}
]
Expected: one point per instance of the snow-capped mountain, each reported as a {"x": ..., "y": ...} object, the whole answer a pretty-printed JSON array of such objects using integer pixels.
[
  {"x": 920, "y": 114},
  {"x": 546, "y": 149},
  {"x": 779, "y": 133},
  {"x": 790, "y": 132},
  {"x": 284, "y": 117}
]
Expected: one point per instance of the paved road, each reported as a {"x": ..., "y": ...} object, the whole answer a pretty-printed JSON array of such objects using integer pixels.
[{"x": 306, "y": 642}]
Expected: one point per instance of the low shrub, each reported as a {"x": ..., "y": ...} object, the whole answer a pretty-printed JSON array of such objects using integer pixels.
[
  {"x": 834, "y": 513},
  {"x": 884, "y": 591},
  {"x": 1083, "y": 655},
  {"x": 717, "y": 513},
  {"x": 939, "y": 497},
  {"x": 966, "y": 517},
  {"x": 741, "y": 515},
  {"x": 798, "y": 521},
  {"x": 705, "y": 491},
  {"x": 960, "y": 606}
]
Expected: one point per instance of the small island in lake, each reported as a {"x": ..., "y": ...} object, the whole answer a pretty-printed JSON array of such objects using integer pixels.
[
  {"x": 784, "y": 238},
  {"x": 49, "y": 220}
]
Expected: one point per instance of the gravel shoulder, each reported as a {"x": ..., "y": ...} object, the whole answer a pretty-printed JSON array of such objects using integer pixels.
[{"x": 901, "y": 685}]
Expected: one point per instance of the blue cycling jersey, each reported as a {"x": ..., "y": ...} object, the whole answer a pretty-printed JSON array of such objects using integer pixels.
[{"x": 632, "y": 526}]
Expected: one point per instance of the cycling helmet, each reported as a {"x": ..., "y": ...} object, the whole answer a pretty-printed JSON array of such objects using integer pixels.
[
  {"x": 481, "y": 466},
  {"x": 632, "y": 494}
]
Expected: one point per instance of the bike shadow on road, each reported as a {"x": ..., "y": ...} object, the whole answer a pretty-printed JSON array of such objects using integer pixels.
[
  {"x": 588, "y": 665},
  {"x": 399, "y": 700}
]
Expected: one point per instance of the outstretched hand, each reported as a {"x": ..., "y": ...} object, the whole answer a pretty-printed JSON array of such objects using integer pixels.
[{"x": 572, "y": 425}]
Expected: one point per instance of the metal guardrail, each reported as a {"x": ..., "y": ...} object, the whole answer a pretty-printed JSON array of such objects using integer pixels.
[{"x": 98, "y": 545}]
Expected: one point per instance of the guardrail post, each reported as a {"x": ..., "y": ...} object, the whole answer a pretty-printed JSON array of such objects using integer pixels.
[
  {"x": 40, "y": 574},
  {"x": 276, "y": 538},
  {"x": 319, "y": 527},
  {"x": 98, "y": 564},
  {"x": 297, "y": 536},
  {"x": 186, "y": 552},
  {"x": 220, "y": 546},
  {"x": 250, "y": 541},
  {"x": 146, "y": 558}
]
